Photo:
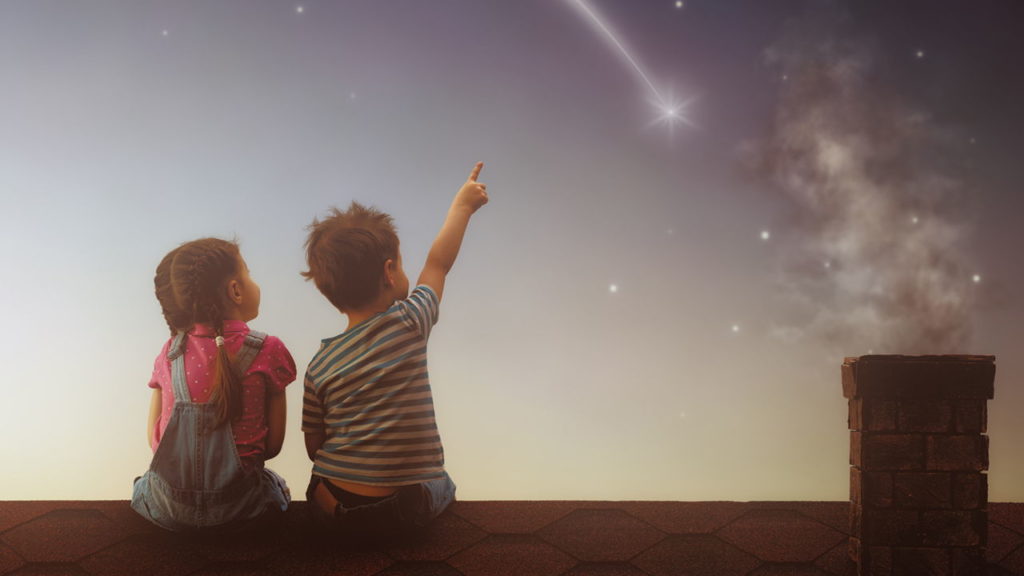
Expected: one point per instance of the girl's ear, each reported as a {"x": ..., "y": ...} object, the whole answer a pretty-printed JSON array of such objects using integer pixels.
[{"x": 234, "y": 291}]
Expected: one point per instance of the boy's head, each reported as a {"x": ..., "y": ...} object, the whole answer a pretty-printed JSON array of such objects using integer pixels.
[{"x": 353, "y": 257}]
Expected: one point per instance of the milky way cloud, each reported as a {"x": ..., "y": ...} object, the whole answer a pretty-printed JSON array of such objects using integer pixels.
[{"x": 876, "y": 259}]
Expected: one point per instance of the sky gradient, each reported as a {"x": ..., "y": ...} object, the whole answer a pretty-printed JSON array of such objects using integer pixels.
[{"x": 644, "y": 310}]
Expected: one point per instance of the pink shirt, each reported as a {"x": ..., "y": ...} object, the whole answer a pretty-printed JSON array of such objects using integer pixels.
[{"x": 272, "y": 369}]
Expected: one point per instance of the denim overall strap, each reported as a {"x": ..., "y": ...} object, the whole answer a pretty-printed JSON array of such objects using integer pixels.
[
  {"x": 250, "y": 348},
  {"x": 176, "y": 354}
]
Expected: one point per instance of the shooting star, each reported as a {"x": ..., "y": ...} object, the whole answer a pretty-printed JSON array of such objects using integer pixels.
[{"x": 670, "y": 110}]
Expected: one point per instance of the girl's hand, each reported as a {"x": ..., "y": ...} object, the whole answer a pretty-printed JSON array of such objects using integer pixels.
[{"x": 473, "y": 194}]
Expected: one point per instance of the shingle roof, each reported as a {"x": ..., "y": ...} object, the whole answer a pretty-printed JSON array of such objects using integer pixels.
[{"x": 474, "y": 538}]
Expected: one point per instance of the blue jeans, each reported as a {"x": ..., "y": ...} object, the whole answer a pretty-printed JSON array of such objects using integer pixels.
[{"x": 409, "y": 509}]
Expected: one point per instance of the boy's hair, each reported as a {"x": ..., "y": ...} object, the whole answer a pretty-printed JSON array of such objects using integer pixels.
[
  {"x": 190, "y": 285},
  {"x": 346, "y": 252}
]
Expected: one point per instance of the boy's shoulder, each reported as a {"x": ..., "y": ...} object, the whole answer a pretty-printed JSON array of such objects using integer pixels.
[{"x": 408, "y": 311}]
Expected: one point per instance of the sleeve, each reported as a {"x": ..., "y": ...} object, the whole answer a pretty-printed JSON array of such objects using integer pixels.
[
  {"x": 161, "y": 368},
  {"x": 420, "y": 310},
  {"x": 276, "y": 363},
  {"x": 312, "y": 409}
]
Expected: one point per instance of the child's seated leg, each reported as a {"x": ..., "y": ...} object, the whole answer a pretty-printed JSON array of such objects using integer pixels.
[
  {"x": 421, "y": 503},
  {"x": 276, "y": 490}
]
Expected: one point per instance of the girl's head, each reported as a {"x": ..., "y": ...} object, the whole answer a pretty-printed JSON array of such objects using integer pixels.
[{"x": 206, "y": 281}]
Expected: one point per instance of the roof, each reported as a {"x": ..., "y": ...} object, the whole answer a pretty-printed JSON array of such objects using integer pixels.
[{"x": 473, "y": 538}]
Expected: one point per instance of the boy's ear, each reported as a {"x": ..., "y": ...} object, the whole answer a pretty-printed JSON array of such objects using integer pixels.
[{"x": 389, "y": 272}]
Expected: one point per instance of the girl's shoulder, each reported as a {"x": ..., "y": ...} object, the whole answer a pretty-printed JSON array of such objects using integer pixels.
[{"x": 275, "y": 361}]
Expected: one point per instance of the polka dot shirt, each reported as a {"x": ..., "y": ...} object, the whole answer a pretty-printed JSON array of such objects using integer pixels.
[{"x": 272, "y": 370}]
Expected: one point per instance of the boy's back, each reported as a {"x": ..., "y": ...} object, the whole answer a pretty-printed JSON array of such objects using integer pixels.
[{"x": 367, "y": 391}]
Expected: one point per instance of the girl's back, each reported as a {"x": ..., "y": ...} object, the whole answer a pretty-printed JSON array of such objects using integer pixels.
[
  {"x": 271, "y": 370},
  {"x": 218, "y": 405}
]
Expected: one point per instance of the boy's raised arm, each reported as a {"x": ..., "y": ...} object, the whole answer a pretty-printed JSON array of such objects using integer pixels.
[{"x": 470, "y": 197}]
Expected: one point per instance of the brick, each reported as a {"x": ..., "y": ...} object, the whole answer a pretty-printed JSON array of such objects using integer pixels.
[
  {"x": 875, "y": 489},
  {"x": 923, "y": 490},
  {"x": 878, "y": 560},
  {"x": 880, "y": 415},
  {"x": 898, "y": 377},
  {"x": 957, "y": 453},
  {"x": 971, "y": 416},
  {"x": 925, "y": 416},
  {"x": 879, "y": 489},
  {"x": 872, "y": 414},
  {"x": 853, "y": 419},
  {"x": 970, "y": 490},
  {"x": 891, "y": 527},
  {"x": 855, "y": 449},
  {"x": 892, "y": 452},
  {"x": 848, "y": 379},
  {"x": 921, "y": 562},
  {"x": 855, "y": 486},
  {"x": 953, "y": 528}
]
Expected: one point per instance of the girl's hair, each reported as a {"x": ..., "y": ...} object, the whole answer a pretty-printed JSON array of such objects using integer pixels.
[{"x": 190, "y": 285}]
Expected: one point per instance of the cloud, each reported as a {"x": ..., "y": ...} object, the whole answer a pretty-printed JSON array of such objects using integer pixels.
[{"x": 875, "y": 260}]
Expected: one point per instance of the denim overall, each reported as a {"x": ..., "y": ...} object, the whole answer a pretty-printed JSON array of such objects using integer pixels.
[{"x": 196, "y": 479}]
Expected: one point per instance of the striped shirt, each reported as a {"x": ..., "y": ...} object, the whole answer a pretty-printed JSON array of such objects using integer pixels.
[{"x": 368, "y": 392}]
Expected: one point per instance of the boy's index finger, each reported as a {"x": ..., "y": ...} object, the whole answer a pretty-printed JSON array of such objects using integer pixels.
[{"x": 476, "y": 171}]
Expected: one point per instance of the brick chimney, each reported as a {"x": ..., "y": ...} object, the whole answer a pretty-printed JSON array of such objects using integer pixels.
[{"x": 919, "y": 456}]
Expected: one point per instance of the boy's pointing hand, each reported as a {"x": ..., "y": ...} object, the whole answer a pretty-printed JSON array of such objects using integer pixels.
[{"x": 473, "y": 194}]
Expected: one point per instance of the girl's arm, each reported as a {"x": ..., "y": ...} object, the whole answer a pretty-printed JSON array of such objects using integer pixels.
[
  {"x": 155, "y": 406},
  {"x": 277, "y": 415}
]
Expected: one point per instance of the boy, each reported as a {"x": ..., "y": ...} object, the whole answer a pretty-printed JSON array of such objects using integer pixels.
[{"x": 368, "y": 412}]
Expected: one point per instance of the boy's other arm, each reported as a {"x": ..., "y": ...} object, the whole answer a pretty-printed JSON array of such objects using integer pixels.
[
  {"x": 277, "y": 417},
  {"x": 155, "y": 406},
  {"x": 470, "y": 197},
  {"x": 314, "y": 440}
]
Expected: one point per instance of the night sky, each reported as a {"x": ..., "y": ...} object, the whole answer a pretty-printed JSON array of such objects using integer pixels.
[{"x": 687, "y": 231}]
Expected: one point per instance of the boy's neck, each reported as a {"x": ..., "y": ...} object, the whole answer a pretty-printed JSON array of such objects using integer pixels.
[{"x": 357, "y": 317}]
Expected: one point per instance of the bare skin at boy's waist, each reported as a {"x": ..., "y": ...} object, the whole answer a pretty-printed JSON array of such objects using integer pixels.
[{"x": 363, "y": 489}]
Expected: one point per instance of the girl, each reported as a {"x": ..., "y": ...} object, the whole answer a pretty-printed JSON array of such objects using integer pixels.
[{"x": 218, "y": 405}]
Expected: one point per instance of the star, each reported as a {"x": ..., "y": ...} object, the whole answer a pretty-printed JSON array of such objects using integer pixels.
[
  {"x": 766, "y": 235},
  {"x": 165, "y": 33},
  {"x": 300, "y": 9},
  {"x": 914, "y": 220},
  {"x": 828, "y": 264},
  {"x": 976, "y": 278},
  {"x": 679, "y": 3},
  {"x": 919, "y": 54},
  {"x": 735, "y": 328},
  {"x": 614, "y": 288}
]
